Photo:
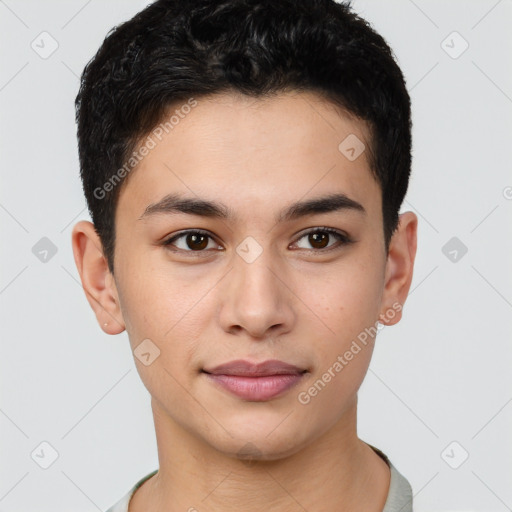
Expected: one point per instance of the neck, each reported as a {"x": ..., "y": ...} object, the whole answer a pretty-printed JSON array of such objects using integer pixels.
[{"x": 336, "y": 471}]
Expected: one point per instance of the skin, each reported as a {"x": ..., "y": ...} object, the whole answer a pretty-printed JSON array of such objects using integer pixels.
[{"x": 292, "y": 304}]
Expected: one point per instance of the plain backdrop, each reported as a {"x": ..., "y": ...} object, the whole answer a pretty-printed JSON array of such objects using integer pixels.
[{"x": 437, "y": 398}]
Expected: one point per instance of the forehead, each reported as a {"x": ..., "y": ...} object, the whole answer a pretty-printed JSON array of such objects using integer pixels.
[{"x": 253, "y": 153}]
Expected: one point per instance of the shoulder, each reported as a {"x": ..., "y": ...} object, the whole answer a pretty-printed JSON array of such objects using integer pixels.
[
  {"x": 400, "y": 492},
  {"x": 122, "y": 504}
]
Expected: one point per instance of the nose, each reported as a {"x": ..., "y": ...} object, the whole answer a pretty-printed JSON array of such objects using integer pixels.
[{"x": 257, "y": 299}]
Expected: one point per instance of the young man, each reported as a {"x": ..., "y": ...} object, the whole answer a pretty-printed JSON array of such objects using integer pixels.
[{"x": 244, "y": 163}]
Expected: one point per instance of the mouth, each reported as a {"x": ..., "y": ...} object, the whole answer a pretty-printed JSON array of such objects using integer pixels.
[{"x": 255, "y": 382}]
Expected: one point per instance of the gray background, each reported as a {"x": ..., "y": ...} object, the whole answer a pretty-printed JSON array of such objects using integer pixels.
[{"x": 439, "y": 387}]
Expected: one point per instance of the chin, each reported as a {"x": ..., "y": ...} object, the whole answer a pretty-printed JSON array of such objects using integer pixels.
[{"x": 265, "y": 444}]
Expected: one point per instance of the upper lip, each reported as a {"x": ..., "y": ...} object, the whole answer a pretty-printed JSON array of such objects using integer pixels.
[{"x": 248, "y": 369}]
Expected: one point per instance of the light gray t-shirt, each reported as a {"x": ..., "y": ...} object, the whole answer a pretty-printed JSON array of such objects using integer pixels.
[{"x": 399, "y": 496}]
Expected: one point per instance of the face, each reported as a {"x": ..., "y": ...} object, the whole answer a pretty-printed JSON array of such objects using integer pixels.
[{"x": 287, "y": 264}]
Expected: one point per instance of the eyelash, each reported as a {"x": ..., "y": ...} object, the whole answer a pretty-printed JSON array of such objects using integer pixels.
[{"x": 343, "y": 239}]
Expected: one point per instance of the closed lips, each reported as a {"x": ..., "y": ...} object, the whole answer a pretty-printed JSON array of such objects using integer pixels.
[
  {"x": 255, "y": 382},
  {"x": 247, "y": 369}
]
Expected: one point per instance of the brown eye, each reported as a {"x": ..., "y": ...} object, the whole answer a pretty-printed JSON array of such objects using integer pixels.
[
  {"x": 320, "y": 239},
  {"x": 196, "y": 242},
  {"x": 191, "y": 241}
]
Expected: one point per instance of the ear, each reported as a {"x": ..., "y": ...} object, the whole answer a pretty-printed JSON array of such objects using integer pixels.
[
  {"x": 97, "y": 281},
  {"x": 399, "y": 268}
]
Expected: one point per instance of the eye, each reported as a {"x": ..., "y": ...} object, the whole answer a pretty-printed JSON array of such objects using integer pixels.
[
  {"x": 191, "y": 241},
  {"x": 198, "y": 241},
  {"x": 320, "y": 238}
]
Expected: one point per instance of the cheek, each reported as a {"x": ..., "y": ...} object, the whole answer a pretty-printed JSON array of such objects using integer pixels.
[
  {"x": 347, "y": 297},
  {"x": 163, "y": 327},
  {"x": 350, "y": 306},
  {"x": 349, "y": 302},
  {"x": 154, "y": 299},
  {"x": 159, "y": 313}
]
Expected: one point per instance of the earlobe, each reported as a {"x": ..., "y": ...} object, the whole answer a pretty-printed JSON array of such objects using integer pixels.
[
  {"x": 97, "y": 281},
  {"x": 399, "y": 268}
]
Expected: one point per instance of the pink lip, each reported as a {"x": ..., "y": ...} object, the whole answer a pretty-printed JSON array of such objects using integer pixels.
[{"x": 256, "y": 382}]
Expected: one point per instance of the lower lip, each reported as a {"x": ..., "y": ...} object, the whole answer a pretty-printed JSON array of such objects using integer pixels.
[{"x": 256, "y": 389}]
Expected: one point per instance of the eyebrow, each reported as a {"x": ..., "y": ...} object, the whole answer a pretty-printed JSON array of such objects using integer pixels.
[{"x": 175, "y": 203}]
